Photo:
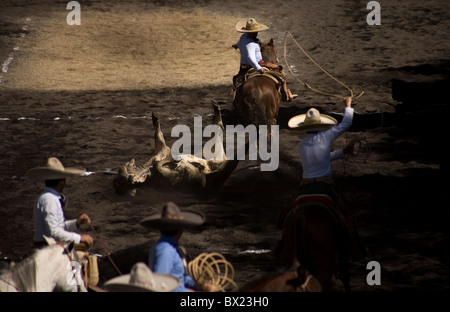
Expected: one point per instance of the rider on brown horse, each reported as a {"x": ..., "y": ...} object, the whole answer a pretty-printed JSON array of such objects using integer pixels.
[
  {"x": 250, "y": 48},
  {"x": 316, "y": 156}
]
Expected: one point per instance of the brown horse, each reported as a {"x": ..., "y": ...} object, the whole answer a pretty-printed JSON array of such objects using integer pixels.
[
  {"x": 290, "y": 281},
  {"x": 313, "y": 236},
  {"x": 258, "y": 100}
]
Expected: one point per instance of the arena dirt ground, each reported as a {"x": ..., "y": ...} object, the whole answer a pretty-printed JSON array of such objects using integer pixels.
[{"x": 85, "y": 94}]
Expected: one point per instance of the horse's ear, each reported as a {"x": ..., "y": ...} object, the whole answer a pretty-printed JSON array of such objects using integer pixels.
[
  {"x": 69, "y": 246},
  {"x": 271, "y": 42},
  {"x": 50, "y": 240}
]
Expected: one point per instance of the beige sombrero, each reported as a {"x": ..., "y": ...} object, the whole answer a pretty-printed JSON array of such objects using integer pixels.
[
  {"x": 172, "y": 218},
  {"x": 142, "y": 279},
  {"x": 250, "y": 25},
  {"x": 53, "y": 170},
  {"x": 312, "y": 121}
]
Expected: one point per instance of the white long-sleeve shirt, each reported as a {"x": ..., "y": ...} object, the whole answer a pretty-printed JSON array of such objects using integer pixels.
[
  {"x": 315, "y": 151},
  {"x": 250, "y": 51},
  {"x": 49, "y": 219}
]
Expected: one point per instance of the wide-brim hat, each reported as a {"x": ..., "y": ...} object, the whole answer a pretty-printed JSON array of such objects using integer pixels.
[
  {"x": 247, "y": 25},
  {"x": 172, "y": 218},
  {"x": 54, "y": 170},
  {"x": 142, "y": 279},
  {"x": 312, "y": 121}
]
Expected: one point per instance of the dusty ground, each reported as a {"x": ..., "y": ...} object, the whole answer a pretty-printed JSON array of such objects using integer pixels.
[{"x": 85, "y": 94}]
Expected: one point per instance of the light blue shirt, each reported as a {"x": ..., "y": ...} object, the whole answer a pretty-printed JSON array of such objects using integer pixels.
[
  {"x": 49, "y": 219},
  {"x": 315, "y": 151},
  {"x": 165, "y": 259},
  {"x": 250, "y": 51}
]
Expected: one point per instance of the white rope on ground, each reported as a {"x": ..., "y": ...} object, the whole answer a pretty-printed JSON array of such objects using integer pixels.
[{"x": 352, "y": 95}]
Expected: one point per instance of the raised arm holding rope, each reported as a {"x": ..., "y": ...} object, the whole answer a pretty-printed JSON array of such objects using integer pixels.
[{"x": 319, "y": 132}]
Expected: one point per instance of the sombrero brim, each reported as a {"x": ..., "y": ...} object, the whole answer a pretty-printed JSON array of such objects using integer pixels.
[
  {"x": 189, "y": 219},
  {"x": 45, "y": 173},
  {"x": 298, "y": 122},
  {"x": 164, "y": 283},
  {"x": 240, "y": 27}
]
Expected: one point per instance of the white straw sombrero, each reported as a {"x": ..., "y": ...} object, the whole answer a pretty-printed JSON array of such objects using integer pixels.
[
  {"x": 312, "y": 121},
  {"x": 250, "y": 25},
  {"x": 53, "y": 170},
  {"x": 142, "y": 279}
]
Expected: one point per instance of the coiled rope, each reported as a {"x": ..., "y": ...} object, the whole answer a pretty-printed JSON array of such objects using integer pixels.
[
  {"x": 352, "y": 95},
  {"x": 214, "y": 270}
]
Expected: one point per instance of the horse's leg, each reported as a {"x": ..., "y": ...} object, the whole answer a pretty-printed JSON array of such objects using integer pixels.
[
  {"x": 325, "y": 277},
  {"x": 343, "y": 256},
  {"x": 345, "y": 276},
  {"x": 254, "y": 108},
  {"x": 318, "y": 246},
  {"x": 321, "y": 264},
  {"x": 272, "y": 106},
  {"x": 270, "y": 101}
]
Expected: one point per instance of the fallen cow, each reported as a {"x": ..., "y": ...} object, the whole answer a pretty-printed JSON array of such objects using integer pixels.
[{"x": 189, "y": 171}]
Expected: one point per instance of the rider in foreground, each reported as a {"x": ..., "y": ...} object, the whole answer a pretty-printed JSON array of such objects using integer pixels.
[{"x": 48, "y": 210}]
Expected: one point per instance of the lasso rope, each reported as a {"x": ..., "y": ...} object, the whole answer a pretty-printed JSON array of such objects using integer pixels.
[
  {"x": 320, "y": 67},
  {"x": 213, "y": 269}
]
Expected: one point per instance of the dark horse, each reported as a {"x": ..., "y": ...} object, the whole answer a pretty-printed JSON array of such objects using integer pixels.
[
  {"x": 314, "y": 236},
  {"x": 258, "y": 100}
]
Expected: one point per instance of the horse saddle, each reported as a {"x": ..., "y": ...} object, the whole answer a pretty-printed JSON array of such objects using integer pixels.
[
  {"x": 301, "y": 201},
  {"x": 90, "y": 267},
  {"x": 275, "y": 75}
]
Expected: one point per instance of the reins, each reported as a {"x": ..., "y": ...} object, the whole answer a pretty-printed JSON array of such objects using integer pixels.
[
  {"x": 71, "y": 261},
  {"x": 352, "y": 95},
  {"x": 108, "y": 254}
]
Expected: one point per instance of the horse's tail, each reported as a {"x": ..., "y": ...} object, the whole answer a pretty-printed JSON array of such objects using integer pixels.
[
  {"x": 302, "y": 241},
  {"x": 253, "y": 101}
]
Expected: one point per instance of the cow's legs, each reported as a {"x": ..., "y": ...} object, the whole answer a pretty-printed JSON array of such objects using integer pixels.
[
  {"x": 162, "y": 151},
  {"x": 218, "y": 142}
]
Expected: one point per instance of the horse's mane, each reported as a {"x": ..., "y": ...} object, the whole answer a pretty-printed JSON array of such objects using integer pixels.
[
  {"x": 23, "y": 274},
  {"x": 269, "y": 52}
]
